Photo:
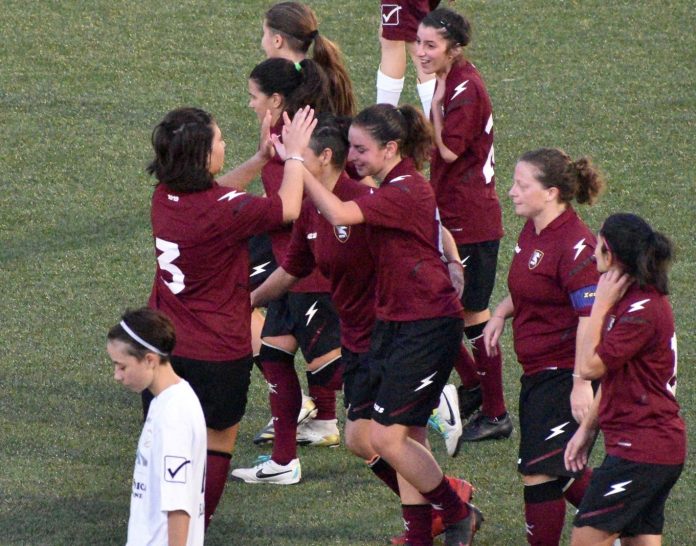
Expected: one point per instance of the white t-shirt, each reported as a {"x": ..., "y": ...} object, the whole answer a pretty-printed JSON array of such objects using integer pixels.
[{"x": 169, "y": 469}]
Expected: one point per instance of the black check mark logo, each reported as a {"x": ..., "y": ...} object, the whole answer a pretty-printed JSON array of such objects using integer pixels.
[
  {"x": 174, "y": 472},
  {"x": 450, "y": 420},
  {"x": 261, "y": 474}
]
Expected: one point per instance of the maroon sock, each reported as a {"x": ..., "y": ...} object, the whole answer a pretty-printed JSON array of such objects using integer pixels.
[
  {"x": 325, "y": 400},
  {"x": 216, "y": 470},
  {"x": 418, "y": 522},
  {"x": 448, "y": 503},
  {"x": 490, "y": 371},
  {"x": 285, "y": 396},
  {"x": 384, "y": 471},
  {"x": 544, "y": 511},
  {"x": 466, "y": 368},
  {"x": 576, "y": 490}
]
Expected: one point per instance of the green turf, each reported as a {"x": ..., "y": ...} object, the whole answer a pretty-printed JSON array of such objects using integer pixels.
[{"x": 81, "y": 86}]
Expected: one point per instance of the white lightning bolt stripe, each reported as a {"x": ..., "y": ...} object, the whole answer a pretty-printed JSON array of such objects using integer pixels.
[
  {"x": 231, "y": 195},
  {"x": 258, "y": 269},
  {"x": 464, "y": 260},
  {"x": 617, "y": 488},
  {"x": 459, "y": 89},
  {"x": 311, "y": 312},
  {"x": 579, "y": 247},
  {"x": 400, "y": 178},
  {"x": 637, "y": 306},
  {"x": 557, "y": 431},
  {"x": 425, "y": 382}
]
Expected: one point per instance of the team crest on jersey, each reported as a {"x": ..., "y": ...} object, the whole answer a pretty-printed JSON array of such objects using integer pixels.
[
  {"x": 535, "y": 260},
  {"x": 342, "y": 233},
  {"x": 390, "y": 14}
]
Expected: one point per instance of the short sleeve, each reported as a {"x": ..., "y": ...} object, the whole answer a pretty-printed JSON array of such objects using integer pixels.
[
  {"x": 462, "y": 118},
  {"x": 626, "y": 338},
  {"x": 299, "y": 259},
  {"x": 579, "y": 275},
  {"x": 387, "y": 207},
  {"x": 245, "y": 215},
  {"x": 175, "y": 438}
]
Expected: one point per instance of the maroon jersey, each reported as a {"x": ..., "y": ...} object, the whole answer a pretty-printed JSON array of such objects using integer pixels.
[
  {"x": 201, "y": 281},
  {"x": 343, "y": 256},
  {"x": 465, "y": 188},
  {"x": 412, "y": 281},
  {"x": 552, "y": 281},
  {"x": 638, "y": 412},
  {"x": 272, "y": 178}
]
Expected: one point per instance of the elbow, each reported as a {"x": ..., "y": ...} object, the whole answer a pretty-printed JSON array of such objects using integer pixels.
[
  {"x": 591, "y": 370},
  {"x": 449, "y": 157}
]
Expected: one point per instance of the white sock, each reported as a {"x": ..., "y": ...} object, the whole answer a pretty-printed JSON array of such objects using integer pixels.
[
  {"x": 425, "y": 92},
  {"x": 389, "y": 89}
]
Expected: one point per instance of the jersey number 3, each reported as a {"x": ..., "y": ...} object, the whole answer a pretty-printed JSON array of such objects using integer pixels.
[{"x": 170, "y": 252}]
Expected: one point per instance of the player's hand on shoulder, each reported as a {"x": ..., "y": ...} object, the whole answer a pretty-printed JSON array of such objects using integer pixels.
[{"x": 611, "y": 288}]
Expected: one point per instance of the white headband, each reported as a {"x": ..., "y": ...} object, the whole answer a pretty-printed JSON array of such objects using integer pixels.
[{"x": 140, "y": 340}]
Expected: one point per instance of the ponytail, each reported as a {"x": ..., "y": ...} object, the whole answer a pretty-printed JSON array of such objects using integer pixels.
[
  {"x": 579, "y": 179},
  {"x": 299, "y": 84},
  {"x": 645, "y": 254},
  {"x": 404, "y": 125},
  {"x": 298, "y": 25}
]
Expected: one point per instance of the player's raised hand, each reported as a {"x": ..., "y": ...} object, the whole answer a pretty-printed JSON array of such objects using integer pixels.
[
  {"x": 611, "y": 288},
  {"x": 265, "y": 140},
  {"x": 298, "y": 131}
]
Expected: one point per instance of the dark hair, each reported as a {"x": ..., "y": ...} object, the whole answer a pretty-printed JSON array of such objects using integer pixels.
[
  {"x": 645, "y": 254},
  {"x": 182, "y": 142},
  {"x": 299, "y": 87},
  {"x": 405, "y": 125},
  {"x": 152, "y": 326},
  {"x": 331, "y": 132},
  {"x": 297, "y": 23},
  {"x": 454, "y": 28},
  {"x": 578, "y": 179}
]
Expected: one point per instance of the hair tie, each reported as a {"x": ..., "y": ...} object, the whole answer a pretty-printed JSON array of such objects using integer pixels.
[
  {"x": 313, "y": 34},
  {"x": 298, "y": 67},
  {"x": 140, "y": 340}
]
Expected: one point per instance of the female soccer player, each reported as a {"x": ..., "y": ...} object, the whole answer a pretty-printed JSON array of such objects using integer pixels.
[
  {"x": 201, "y": 231},
  {"x": 289, "y": 30},
  {"x": 419, "y": 322},
  {"x": 397, "y": 37},
  {"x": 336, "y": 251},
  {"x": 304, "y": 318},
  {"x": 552, "y": 281},
  {"x": 630, "y": 345},
  {"x": 462, "y": 174},
  {"x": 167, "y": 497}
]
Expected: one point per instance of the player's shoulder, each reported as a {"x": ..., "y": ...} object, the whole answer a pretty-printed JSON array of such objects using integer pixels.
[{"x": 644, "y": 303}]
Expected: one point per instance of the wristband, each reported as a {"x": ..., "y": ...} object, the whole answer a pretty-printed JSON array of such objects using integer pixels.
[{"x": 295, "y": 157}]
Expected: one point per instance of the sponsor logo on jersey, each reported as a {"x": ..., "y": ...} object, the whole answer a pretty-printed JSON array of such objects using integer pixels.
[
  {"x": 171, "y": 197},
  {"x": 311, "y": 236},
  {"x": 390, "y": 14},
  {"x": 535, "y": 260},
  {"x": 378, "y": 409},
  {"x": 342, "y": 233}
]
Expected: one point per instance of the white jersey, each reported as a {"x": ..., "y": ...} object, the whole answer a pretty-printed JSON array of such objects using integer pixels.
[{"x": 169, "y": 469}]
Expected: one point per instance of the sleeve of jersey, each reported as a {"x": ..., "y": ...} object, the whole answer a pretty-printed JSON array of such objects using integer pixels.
[
  {"x": 579, "y": 276},
  {"x": 629, "y": 334},
  {"x": 299, "y": 259},
  {"x": 250, "y": 215},
  {"x": 176, "y": 450},
  {"x": 462, "y": 120},
  {"x": 388, "y": 207}
]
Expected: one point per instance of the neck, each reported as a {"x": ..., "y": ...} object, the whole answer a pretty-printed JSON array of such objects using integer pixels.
[
  {"x": 548, "y": 215},
  {"x": 164, "y": 378},
  {"x": 294, "y": 56},
  {"x": 388, "y": 166},
  {"x": 329, "y": 179}
]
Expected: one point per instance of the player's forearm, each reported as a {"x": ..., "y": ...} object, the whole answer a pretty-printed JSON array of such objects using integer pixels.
[
  {"x": 505, "y": 308},
  {"x": 240, "y": 177},
  {"x": 588, "y": 365},
  {"x": 290, "y": 191},
  {"x": 449, "y": 246},
  {"x": 177, "y": 527},
  {"x": 438, "y": 125},
  {"x": 277, "y": 284}
]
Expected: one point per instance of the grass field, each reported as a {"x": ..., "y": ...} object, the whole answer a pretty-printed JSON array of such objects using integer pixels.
[{"x": 81, "y": 86}]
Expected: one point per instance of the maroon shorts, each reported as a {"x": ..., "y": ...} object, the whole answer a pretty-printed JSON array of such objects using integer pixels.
[{"x": 400, "y": 18}]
